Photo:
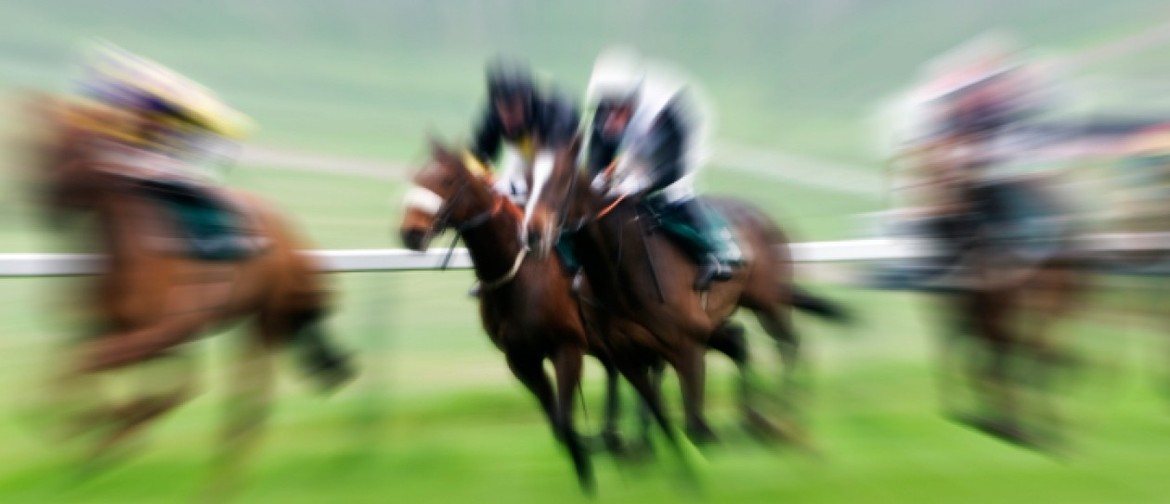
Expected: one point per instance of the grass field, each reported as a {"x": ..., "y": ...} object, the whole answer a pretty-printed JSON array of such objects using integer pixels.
[{"x": 435, "y": 416}]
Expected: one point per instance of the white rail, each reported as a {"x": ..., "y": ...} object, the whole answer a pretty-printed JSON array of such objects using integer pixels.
[{"x": 340, "y": 261}]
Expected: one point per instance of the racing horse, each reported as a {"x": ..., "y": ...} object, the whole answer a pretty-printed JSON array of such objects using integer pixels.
[
  {"x": 646, "y": 307},
  {"x": 526, "y": 305},
  {"x": 153, "y": 297},
  {"x": 1012, "y": 273}
]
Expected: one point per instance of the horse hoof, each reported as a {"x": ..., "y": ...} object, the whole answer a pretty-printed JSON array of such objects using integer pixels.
[
  {"x": 759, "y": 427},
  {"x": 702, "y": 435},
  {"x": 606, "y": 442},
  {"x": 1003, "y": 430}
]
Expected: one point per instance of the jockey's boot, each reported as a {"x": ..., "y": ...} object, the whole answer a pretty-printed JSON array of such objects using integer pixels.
[
  {"x": 575, "y": 287},
  {"x": 713, "y": 247},
  {"x": 711, "y": 269}
]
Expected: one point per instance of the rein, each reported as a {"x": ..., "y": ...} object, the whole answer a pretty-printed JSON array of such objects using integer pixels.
[{"x": 476, "y": 221}]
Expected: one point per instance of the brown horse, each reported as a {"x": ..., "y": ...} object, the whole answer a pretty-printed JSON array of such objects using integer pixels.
[
  {"x": 998, "y": 320},
  {"x": 151, "y": 299},
  {"x": 647, "y": 308},
  {"x": 526, "y": 305}
]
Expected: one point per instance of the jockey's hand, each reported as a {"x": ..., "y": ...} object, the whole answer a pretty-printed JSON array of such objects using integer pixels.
[
  {"x": 504, "y": 187},
  {"x": 631, "y": 184},
  {"x": 601, "y": 183}
]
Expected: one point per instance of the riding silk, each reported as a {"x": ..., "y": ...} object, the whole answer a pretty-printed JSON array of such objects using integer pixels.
[{"x": 551, "y": 122}]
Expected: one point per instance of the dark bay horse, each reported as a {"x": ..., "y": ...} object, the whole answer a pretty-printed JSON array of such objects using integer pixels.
[
  {"x": 151, "y": 299},
  {"x": 999, "y": 320},
  {"x": 526, "y": 305},
  {"x": 648, "y": 310}
]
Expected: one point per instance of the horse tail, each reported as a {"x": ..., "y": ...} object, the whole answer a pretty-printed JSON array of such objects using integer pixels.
[
  {"x": 300, "y": 303},
  {"x": 317, "y": 355},
  {"x": 815, "y": 305}
]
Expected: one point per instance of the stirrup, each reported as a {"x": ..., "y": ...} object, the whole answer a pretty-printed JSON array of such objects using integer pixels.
[
  {"x": 575, "y": 287},
  {"x": 712, "y": 270}
]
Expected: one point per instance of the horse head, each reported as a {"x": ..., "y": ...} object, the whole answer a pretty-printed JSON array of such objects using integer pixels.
[
  {"x": 447, "y": 192},
  {"x": 556, "y": 199},
  {"x": 60, "y": 155}
]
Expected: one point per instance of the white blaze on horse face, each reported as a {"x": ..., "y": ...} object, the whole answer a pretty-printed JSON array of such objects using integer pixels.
[
  {"x": 422, "y": 199},
  {"x": 541, "y": 171}
]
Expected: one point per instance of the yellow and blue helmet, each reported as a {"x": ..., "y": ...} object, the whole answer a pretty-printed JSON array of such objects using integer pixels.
[{"x": 118, "y": 78}]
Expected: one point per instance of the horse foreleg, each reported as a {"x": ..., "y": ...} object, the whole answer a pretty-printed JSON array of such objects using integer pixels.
[
  {"x": 610, "y": 432},
  {"x": 956, "y": 370},
  {"x": 639, "y": 377},
  {"x": 567, "y": 362},
  {"x": 529, "y": 370},
  {"x": 730, "y": 341},
  {"x": 691, "y": 366},
  {"x": 655, "y": 372}
]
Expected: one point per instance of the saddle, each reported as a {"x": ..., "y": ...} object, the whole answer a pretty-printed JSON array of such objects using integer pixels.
[{"x": 207, "y": 225}]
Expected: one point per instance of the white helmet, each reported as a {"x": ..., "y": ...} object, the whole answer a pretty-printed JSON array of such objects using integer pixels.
[{"x": 618, "y": 74}]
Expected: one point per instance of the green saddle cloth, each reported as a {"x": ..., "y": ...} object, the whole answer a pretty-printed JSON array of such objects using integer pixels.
[
  {"x": 718, "y": 238},
  {"x": 208, "y": 229}
]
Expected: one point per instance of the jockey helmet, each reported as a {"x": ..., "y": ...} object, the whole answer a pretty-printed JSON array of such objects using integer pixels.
[
  {"x": 510, "y": 80},
  {"x": 617, "y": 78}
]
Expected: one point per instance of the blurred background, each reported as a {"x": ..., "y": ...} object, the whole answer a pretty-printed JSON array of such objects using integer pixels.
[{"x": 345, "y": 93}]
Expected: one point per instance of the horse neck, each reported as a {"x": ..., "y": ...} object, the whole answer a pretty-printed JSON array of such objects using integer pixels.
[
  {"x": 612, "y": 252},
  {"x": 119, "y": 220},
  {"x": 493, "y": 245}
]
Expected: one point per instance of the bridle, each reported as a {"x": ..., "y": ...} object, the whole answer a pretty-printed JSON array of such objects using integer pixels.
[{"x": 442, "y": 220}]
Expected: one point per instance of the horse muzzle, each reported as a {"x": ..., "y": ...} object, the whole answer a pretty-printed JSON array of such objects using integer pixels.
[{"x": 415, "y": 239}]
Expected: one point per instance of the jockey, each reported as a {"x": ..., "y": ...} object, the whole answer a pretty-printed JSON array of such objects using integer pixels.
[
  {"x": 644, "y": 139},
  {"x": 973, "y": 110},
  {"x": 524, "y": 124},
  {"x": 167, "y": 140}
]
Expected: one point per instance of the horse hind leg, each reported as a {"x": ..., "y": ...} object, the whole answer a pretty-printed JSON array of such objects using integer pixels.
[
  {"x": 778, "y": 325},
  {"x": 639, "y": 377},
  {"x": 731, "y": 341}
]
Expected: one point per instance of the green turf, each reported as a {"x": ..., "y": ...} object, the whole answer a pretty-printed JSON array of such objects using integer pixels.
[{"x": 425, "y": 425}]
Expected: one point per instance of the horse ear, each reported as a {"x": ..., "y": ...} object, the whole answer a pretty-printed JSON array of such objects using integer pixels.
[{"x": 438, "y": 149}]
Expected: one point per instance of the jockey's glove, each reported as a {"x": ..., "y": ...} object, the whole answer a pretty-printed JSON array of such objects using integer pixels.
[
  {"x": 632, "y": 183},
  {"x": 600, "y": 183}
]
